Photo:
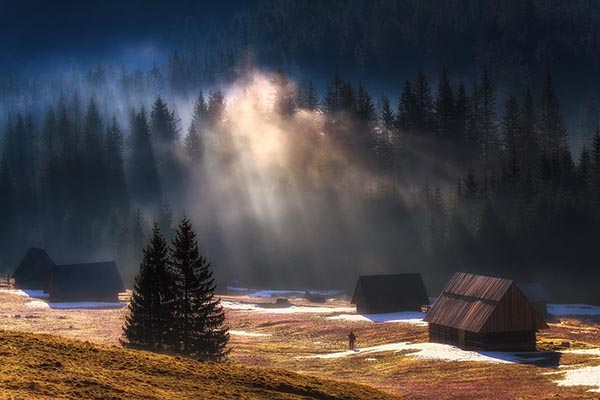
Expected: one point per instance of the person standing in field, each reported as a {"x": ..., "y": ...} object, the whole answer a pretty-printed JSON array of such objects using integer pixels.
[{"x": 351, "y": 340}]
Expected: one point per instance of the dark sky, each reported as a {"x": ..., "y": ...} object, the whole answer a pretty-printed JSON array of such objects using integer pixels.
[{"x": 37, "y": 34}]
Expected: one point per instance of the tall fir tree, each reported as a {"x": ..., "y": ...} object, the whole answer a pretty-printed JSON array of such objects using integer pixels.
[
  {"x": 423, "y": 104},
  {"x": 444, "y": 108},
  {"x": 150, "y": 320},
  {"x": 143, "y": 174},
  {"x": 198, "y": 328},
  {"x": 551, "y": 128},
  {"x": 510, "y": 128}
]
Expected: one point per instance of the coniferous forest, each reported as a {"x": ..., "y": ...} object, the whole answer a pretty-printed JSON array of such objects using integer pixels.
[{"x": 293, "y": 179}]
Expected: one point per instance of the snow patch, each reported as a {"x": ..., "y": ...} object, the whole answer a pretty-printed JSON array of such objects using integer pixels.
[
  {"x": 585, "y": 376},
  {"x": 282, "y": 293},
  {"x": 435, "y": 351},
  {"x": 250, "y": 334},
  {"x": 37, "y": 304},
  {"x": 235, "y": 305},
  {"x": 581, "y": 376},
  {"x": 409, "y": 317},
  {"x": 573, "y": 309},
  {"x": 26, "y": 293}
]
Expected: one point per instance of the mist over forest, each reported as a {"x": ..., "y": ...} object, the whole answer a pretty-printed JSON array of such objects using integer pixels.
[{"x": 300, "y": 170}]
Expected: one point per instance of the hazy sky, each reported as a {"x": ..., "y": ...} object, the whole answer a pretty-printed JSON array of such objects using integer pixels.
[{"x": 36, "y": 34}]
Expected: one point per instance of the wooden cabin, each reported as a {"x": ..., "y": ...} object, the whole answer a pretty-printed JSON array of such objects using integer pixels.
[
  {"x": 484, "y": 313},
  {"x": 34, "y": 270},
  {"x": 536, "y": 294},
  {"x": 376, "y": 294},
  {"x": 98, "y": 281}
]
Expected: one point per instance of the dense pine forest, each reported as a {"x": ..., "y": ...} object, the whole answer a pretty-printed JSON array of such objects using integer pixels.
[{"x": 290, "y": 183}]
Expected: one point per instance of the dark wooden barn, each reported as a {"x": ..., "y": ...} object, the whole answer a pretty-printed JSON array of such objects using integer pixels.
[
  {"x": 389, "y": 293},
  {"x": 536, "y": 294},
  {"x": 484, "y": 313},
  {"x": 34, "y": 270},
  {"x": 99, "y": 281}
]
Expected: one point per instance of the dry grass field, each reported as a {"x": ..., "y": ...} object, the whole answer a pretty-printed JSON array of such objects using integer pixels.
[{"x": 293, "y": 341}]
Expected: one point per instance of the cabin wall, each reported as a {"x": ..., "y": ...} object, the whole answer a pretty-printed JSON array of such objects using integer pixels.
[
  {"x": 513, "y": 313},
  {"x": 66, "y": 297},
  {"x": 505, "y": 341}
]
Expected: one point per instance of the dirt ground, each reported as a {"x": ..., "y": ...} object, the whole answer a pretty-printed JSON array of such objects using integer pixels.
[{"x": 291, "y": 340}]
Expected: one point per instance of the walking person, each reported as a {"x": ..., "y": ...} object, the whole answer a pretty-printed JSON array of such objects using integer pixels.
[{"x": 351, "y": 340}]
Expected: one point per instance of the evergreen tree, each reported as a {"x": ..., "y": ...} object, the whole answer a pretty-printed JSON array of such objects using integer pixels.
[
  {"x": 487, "y": 121},
  {"x": 165, "y": 137},
  {"x": 7, "y": 214},
  {"x": 387, "y": 114},
  {"x": 528, "y": 146},
  {"x": 150, "y": 319},
  {"x": 407, "y": 105},
  {"x": 193, "y": 140},
  {"x": 311, "y": 99},
  {"x": 284, "y": 94},
  {"x": 365, "y": 109},
  {"x": 216, "y": 108},
  {"x": 95, "y": 163},
  {"x": 143, "y": 174},
  {"x": 198, "y": 326},
  {"x": 510, "y": 125},
  {"x": 118, "y": 197},
  {"x": 551, "y": 127},
  {"x": 460, "y": 123},
  {"x": 444, "y": 108},
  {"x": 423, "y": 104}
]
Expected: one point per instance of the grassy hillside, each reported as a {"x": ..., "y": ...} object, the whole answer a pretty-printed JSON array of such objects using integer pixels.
[{"x": 47, "y": 367}]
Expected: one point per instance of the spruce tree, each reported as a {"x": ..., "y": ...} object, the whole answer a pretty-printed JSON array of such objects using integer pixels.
[
  {"x": 444, "y": 107},
  {"x": 510, "y": 127},
  {"x": 487, "y": 121},
  {"x": 143, "y": 174},
  {"x": 423, "y": 104},
  {"x": 149, "y": 322},
  {"x": 551, "y": 127},
  {"x": 198, "y": 322},
  {"x": 406, "y": 119}
]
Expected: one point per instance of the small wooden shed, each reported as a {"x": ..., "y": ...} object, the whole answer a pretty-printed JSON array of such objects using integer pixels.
[
  {"x": 484, "y": 313},
  {"x": 98, "y": 281},
  {"x": 376, "y": 294},
  {"x": 34, "y": 270}
]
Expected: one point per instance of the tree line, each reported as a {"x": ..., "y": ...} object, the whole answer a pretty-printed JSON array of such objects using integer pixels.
[{"x": 480, "y": 191}]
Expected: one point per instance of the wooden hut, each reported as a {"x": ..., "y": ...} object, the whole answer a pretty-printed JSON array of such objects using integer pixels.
[
  {"x": 376, "y": 294},
  {"x": 99, "y": 281},
  {"x": 34, "y": 270},
  {"x": 536, "y": 294},
  {"x": 484, "y": 313}
]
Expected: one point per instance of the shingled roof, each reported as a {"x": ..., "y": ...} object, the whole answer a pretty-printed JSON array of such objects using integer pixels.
[
  {"x": 386, "y": 293},
  {"x": 90, "y": 281},
  {"x": 34, "y": 270},
  {"x": 477, "y": 303}
]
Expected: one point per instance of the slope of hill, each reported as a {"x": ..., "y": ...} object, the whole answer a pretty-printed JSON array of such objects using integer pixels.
[{"x": 48, "y": 367}]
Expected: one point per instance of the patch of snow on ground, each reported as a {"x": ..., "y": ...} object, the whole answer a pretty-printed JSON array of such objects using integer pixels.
[
  {"x": 409, "y": 317},
  {"x": 581, "y": 376},
  {"x": 37, "y": 304},
  {"x": 584, "y": 376},
  {"x": 301, "y": 293},
  {"x": 434, "y": 351},
  {"x": 26, "y": 293},
  {"x": 234, "y": 305},
  {"x": 573, "y": 309},
  {"x": 250, "y": 334},
  {"x": 86, "y": 304}
]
